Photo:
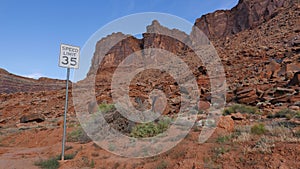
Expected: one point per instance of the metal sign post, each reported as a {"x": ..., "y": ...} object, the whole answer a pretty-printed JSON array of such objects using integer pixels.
[
  {"x": 65, "y": 116},
  {"x": 69, "y": 58}
]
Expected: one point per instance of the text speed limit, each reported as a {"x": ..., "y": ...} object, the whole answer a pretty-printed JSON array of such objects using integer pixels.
[{"x": 69, "y": 56}]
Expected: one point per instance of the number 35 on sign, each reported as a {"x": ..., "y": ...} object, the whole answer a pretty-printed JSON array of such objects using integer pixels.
[{"x": 69, "y": 56}]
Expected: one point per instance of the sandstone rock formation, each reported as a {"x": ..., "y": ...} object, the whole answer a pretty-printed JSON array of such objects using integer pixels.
[
  {"x": 10, "y": 83},
  {"x": 248, "y": 14},
  {"x": 257, "y": 42}
]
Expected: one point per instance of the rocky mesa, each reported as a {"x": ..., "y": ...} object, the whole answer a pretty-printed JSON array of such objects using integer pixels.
[{"x": 10, "y": 83}]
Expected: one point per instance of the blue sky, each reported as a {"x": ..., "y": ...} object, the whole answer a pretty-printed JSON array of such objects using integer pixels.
[{"x": 31, "y": 31}]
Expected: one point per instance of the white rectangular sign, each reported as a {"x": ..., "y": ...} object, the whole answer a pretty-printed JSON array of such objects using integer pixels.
[{"x": 69, "y": 56}]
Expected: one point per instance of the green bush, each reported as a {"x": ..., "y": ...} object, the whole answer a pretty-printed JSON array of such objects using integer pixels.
[
  {"x": 297, "y": 133},
  {"x": 285, "y": 113},
  {"x": 220, "y": 151},
  {"x": 104, "y": 108},
  {"x": 78, "y": 135},
  {"x": 51, "y": 163},
  {"x": 297, "y": 114},
  {"x": 116, "y": 165},
  {"x": 92, "y": 165},
  {"x": 111, "y": 147},
  {"x": 258, "y": 129},
  {"x": 162, "y": 165},
  {"x": 150, "y": 129},
  {"x": 223, "y": 139},
  {"x": 244, "y": 109},
  {"x": 67, "y": 156}
]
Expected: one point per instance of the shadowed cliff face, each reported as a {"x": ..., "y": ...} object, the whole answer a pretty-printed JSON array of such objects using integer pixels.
[{"x": 246, "y": 15}]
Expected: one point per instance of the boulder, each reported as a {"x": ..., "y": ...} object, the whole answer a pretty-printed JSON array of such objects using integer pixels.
[
  {"x": 281, "y": 99},
  {"x": 118, "y": 122},
  {"x": 295, "y": 80},
  {"x": 229, "y": 96},
  {"x": 2, "y": 121},
  {"x": 283, "y": 91},
  {"x": 226, "y": 123},
  {"x": 296, "y": 41},
  {"x": 203, "y": 105},
  {"x": 251, "y": 99},
  {"x": 296, "y": 108},
  {"x": 246, "y": 95},
  {"x": 273, "y": 69},
  {"x": 295, "y": 99},
  {"x": 32, "y": 117},
  {"x": 296, "y": 103},
  {"x": 238, "y": 116}
]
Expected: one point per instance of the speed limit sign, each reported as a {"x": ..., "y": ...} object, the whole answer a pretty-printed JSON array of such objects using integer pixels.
[{"x": 69, "y": 56}]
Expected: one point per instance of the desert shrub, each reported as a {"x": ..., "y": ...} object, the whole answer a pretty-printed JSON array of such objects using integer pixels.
[
  {"x": 116, "y": 165},
  {"x": 288, "y": 124},
  {"x": 297, "y": 114},
  {"x": 242, "y": 137},
  {"x": 297, "y": 133},
  {"x": 145, "y": 130},
  {"x": 278, "y": 131},
  {"x": 84, "y": 162},
  {"x": 223, "y": 139},
  {"x": 150, "y": 129},
  {"x": 178, "y": 154},
  {"x": 285, "y": 113},
  {"x": 218, "y": 151},
  {"x": 264, "y": 145},
  {"x": 162, "y": 165},
  {"x": 210, "y": 163},
  {"x": 244, "y": 109},
  {"x": 92, "y": 165},
  {"x": 111, "y": 147},
  {"x": 164, "y": 123},
  {"x": 258, "y": 129},
  {"x": 51, "y": 163},
  {"x": 104, "y": 108},
  {"x": 78, "y": 135},
  {"x": 67, "y": 156}
]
